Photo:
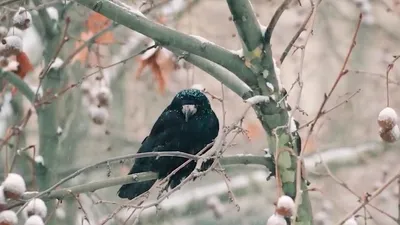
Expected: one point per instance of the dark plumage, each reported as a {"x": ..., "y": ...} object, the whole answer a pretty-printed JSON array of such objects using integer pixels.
[{"x": 188, "y": 124}]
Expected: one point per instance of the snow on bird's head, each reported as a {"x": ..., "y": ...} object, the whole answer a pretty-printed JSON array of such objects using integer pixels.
[
  {"x": 191, "y": 96},
  {"x": 14, "y": 185},
  {"x": 35, "y": 206},
  {"x": 8, "y": 217},
  {"x": 34, "y": 220}
]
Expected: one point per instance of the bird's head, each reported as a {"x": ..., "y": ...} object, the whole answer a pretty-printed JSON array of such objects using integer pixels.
[{"x": 190, "y": 102}]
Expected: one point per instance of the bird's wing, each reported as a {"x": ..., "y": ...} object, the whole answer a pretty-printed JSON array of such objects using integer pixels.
[
  {"x": 167, "y": 119},
  {"x": 163, "y": 129}
]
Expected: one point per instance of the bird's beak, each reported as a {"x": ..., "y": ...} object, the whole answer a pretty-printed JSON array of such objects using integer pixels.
[{"x": 188, "y": 111}]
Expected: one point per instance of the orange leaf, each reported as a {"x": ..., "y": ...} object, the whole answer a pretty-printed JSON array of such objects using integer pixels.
[
  {"x": 106, "y": 38},
  {"x": 253, "y": 130},
  {"x": 82, "y": 55},
  {"x": 311, "y": 146},
  {"x": 156, "y": 69},
  {"x": 141, "y": 66},
  {"x": 97, "y": 22},
  {"x": 24, "y": 66}
]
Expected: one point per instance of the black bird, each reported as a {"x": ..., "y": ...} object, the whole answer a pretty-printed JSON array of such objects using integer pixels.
[{"x": 187, "y": 125}]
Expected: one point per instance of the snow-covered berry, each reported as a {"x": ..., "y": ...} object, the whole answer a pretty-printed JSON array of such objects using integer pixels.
[
  {"x": 14, "y": 186},
  {"x": 8, "y": 217},
  {"x": 321, "y": 218},
  {"x": 35, "y": 206},
  {"x": 391, "y": 135},
  {"x": 285, "y": 206},
  {"x": 387, "y": 118},
  {"x": 104, "y": 96},
  {"x": 22, "y": 19},
  {"x": 85, "y": 87},
  {"x": 351, "y": 221},
  {"x": 198, "y": 87},
  {"x": 276, "y": 219},
  {"x": 34, "y": 220},
  {"x": 98, "y": 114},
  {"x": 60, "y": 213},
  {"x": 10, "y": 45}
]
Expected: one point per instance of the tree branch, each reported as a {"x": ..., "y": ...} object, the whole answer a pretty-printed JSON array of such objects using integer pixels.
[
  {"x": 278, "y": 13},
  {"x": 218, "y": 72},
  {"x": 168, "y": 37},
  {"x": 20, "y": 84},
  {"x": 246, "y": 23}
]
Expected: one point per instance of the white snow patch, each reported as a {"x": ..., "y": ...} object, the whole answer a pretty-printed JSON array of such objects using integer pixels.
[
  {"x": 53, "y": 13},
  {"x": 8, "y": 217},
  {"x": 35, "y": 206},
  {"x": 257, "y": 99},
  {"x": 14, "y": 183},
  {"x": 276, "y": 219}
]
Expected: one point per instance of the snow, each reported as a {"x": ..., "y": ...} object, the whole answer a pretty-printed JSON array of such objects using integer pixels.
[
  {"x": 202, "y": 39},
  {"x": 276, "y": 219},
  {"x": 13, "y": 42},
  {"x": 8, "y": 217},
  {"x": 34, "y": 220},
  {"x": 22, "y": 18},
  {"x": 35, "y": 206},
  {"x": 57, "y": 63},
  {"x": 286, "y": 203},
  {"x": 53, "y": 13},
  {"x": 351, "y": 221},
  {"x": 14, "y": 183},
  {"x": 257, "y": 99}
]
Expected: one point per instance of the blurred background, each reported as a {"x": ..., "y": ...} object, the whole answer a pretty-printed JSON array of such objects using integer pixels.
[{"x": 141, "y": 87}]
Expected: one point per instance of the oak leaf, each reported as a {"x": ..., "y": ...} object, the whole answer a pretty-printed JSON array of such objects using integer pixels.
[{"x": 161, "y": 63}]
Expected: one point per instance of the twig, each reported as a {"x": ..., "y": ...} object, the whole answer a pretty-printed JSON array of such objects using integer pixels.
[
  {"x": 300, "y": 160},
  {"x": 389, "y": 68},
  {"x": 7, "y": 2},
  {"x": 86, "y": 43},
  {"x": 370, "y": 198},
  {"x": 64, "y": 39},
  {"x": 398, "y": 201},
  {"x": 297, "y": 35},
  {"x": 51, "y": 98},
  {"x": 324, "y": 112},
  {"x": 105, "y": 162},
  {"x": 231, "y": 195},
  {"x": 342, "y": 72},
  {"x": 85, "y": 217},
  {"x": 275, "y": 18},
  {"x": 374, "y": 74},
  {"x": 49, "y": 217}
]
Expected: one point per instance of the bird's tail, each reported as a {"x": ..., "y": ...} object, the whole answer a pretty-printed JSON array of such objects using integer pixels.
[{"x": 133, "y": 190}]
